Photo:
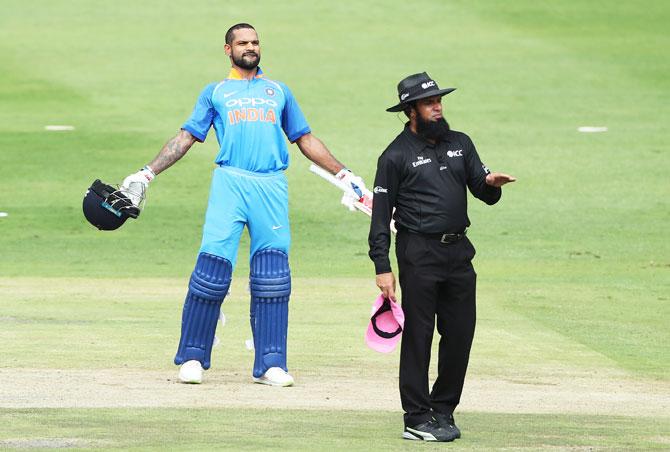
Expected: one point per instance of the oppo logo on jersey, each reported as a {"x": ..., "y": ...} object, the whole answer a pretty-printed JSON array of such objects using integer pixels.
[
  {"x": 251, "y": 110},
  {"x": 252, "y": 101}
]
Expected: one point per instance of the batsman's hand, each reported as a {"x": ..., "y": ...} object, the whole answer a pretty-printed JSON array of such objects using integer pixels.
[
  {"x": 499, "y": 179},
  {"x": 386, "y": 283},
  {"x": 348, "y": 201},
  {"x": 135, "y": 185},
  {"x": 352, "y": 184}
]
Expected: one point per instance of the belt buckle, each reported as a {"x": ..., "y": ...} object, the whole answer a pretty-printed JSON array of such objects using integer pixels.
[{"x": 448, "y": 239}]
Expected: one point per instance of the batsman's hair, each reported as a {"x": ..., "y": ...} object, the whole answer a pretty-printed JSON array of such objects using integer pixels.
[{"x": 231, "y": 30}]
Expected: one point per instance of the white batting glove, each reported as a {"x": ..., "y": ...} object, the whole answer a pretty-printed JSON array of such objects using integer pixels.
[
  {"x": 135, "y": 185},
  {"x": 348, "y": 201},
  {"x": 352, "y": 184}
]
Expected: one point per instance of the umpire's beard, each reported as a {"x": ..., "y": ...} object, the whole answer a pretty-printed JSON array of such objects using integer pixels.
[{"x": 432, "y": 130}]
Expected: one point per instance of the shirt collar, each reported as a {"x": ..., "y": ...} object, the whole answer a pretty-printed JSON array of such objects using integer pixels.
[
  {"x": 234, "y": 74},
  {"x": 416, "y": 143}
]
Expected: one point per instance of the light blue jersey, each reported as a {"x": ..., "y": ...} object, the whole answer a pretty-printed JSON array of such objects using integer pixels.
[{"x": 250, "y": 118}]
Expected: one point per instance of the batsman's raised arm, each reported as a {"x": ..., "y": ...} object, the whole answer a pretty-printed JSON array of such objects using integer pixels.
[
  {"x": 172, "y": 151},
  {"x": 317, "y": 152}
]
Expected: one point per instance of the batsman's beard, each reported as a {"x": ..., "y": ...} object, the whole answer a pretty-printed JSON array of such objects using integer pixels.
[{"x": 247, "y": 60}]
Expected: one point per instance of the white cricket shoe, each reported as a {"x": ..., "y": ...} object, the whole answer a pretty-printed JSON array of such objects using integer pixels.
[
  {"x": 275, "y": 376},
  {"x": 191, "y": 372}
]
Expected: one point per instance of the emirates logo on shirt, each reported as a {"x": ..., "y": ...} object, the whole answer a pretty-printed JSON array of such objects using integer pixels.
[{"x": 420, "y": 161}]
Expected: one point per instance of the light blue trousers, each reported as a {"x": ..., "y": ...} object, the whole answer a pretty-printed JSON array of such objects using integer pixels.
[{"x": 238, "y": 198}]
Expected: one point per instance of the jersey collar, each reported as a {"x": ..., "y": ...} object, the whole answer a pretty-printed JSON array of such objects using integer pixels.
[
  {"x": 234, "y": 74},
  {"x": 418, "y": 143}
]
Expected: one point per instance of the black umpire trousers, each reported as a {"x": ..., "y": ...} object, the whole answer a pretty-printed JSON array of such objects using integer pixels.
[{"x": 437, "y": 282}]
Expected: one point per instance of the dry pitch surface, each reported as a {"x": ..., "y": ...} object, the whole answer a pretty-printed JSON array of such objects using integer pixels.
[{"x": 576, "y": 394}]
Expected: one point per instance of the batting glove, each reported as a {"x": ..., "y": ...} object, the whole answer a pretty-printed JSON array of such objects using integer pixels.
[
  {"x": 352, "y": 184},
  {"x": 348, "y": 201},
  {"x": 135, "y": 185}
]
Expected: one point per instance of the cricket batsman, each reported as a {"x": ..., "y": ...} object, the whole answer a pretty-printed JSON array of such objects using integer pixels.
[{"x": 251, "y": 115}]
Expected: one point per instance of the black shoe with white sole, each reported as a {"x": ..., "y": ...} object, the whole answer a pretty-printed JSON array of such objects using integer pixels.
[
  {"x": 429, "y": 431},
  {"x": 446, "y": 421}
]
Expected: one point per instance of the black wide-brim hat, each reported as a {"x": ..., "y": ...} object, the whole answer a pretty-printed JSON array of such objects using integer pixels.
[{"x": 415, "y": 87}]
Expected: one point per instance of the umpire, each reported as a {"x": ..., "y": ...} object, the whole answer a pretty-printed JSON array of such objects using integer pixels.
[{"x": 423, "y": 174}]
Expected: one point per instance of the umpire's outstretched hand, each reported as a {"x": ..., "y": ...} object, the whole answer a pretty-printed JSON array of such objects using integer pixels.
[{"x": 499, "y": 179}]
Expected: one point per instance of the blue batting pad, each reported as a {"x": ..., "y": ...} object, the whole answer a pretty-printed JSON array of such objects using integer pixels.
[
  {"x": 206, "y": 290},
  {"x": 270, "y": 285}
]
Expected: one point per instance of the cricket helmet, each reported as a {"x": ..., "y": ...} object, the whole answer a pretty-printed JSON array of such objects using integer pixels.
[
  {"x": 107, "y": 207},
  {"x": 415, "y": 87}
]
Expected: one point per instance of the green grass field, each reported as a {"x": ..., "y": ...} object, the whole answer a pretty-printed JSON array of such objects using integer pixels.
[{"x": 571, "y": 350}]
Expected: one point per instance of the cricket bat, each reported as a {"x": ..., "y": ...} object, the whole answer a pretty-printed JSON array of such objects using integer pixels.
[{"x": 364, "y": 204}]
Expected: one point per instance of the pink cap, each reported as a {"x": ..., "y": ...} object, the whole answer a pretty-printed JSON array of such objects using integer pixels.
[{"x": 386, "y": 324}]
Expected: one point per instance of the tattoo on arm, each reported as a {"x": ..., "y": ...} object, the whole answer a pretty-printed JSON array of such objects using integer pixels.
[{"x": 173, "y": 150}]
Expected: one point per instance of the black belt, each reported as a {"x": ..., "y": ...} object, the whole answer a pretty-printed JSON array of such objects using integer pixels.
[{"x": 447, "y": 238}]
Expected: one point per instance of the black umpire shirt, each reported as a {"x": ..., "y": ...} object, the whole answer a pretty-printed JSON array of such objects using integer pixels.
[{"x": 425, "y": 183}]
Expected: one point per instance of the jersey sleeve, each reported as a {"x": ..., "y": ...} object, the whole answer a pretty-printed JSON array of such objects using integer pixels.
[
  {"x": 387, "y": 181},
  {"x": 202, "y": 116},
  {"x": 293, "y": 122},
  {"x": 476, "y": 173}
]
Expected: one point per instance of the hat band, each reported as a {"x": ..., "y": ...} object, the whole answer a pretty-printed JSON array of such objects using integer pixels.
[{"x": 426, "y": 86}]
